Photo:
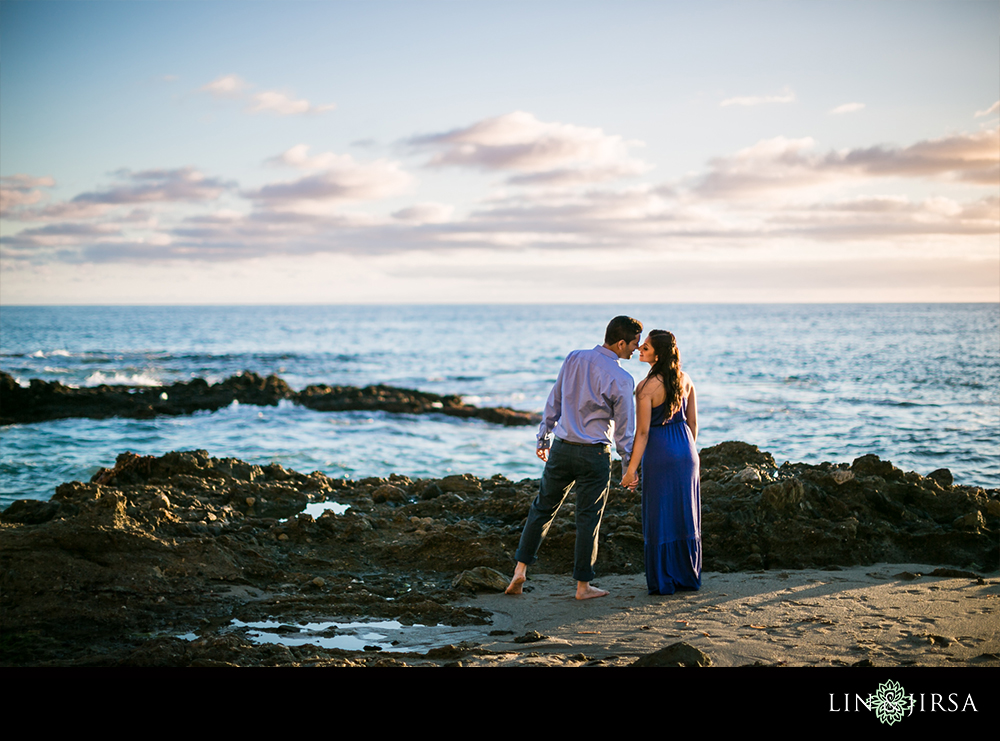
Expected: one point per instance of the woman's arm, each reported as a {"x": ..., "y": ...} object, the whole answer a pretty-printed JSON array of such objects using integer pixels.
[
  {"x": 643, "y": 412},
  {"x": 692, "y": 412}
]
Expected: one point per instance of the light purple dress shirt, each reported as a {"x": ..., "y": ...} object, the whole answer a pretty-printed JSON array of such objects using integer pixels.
[{"x": 592, "y": 403}]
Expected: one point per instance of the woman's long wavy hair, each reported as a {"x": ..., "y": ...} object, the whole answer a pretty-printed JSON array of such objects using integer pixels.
[{"x": 667, "y": 367}]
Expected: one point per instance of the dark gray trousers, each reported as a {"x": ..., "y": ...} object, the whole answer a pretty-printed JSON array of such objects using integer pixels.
[{"x": 589, "y": 468}]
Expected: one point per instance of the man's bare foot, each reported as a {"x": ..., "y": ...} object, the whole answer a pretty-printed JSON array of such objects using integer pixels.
[
  {"x": 515, "y": 585},
  {"x": 585, "y": 591},
  {"x": 520, "y": 575}
]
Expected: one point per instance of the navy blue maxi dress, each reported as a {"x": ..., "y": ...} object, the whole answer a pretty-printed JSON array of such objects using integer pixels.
[{"x": 671, "y": 504}]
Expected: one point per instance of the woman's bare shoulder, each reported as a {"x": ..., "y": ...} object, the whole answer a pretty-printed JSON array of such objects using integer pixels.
[
  {"x": 649, "y": 386},
  {"x": 686, "y": 383}
]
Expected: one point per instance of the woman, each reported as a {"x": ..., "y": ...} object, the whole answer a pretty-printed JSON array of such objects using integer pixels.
[{"x": 666, "y": 429}]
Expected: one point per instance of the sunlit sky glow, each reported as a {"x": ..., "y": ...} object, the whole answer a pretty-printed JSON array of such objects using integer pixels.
[{"x": 378, "y": 152}]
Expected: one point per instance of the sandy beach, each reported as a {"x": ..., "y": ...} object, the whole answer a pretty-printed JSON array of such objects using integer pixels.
[{"x": 886, "y": 614}]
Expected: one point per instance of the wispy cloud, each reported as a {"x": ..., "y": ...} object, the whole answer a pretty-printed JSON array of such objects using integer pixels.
[
  {"x": 769, "y": 164},
  {"x": 425, "y": 213},
  {"x": 786, "y": 96},
  {"x": 992, "y": 109},
  {"x": 889, "y": 216},
  {"x": 276, "y": 102},
  {"x": 234, "y": 87},
  {"x": 973, "y": 158},
  {"x": 298, "y": 157},
  {"x": 227, "y": 86},
  {"x": 21, "y": 190},
  {"x": 847, "y": 108},
  {"x": 542, "y": 153},
  {"x": 340, "y": 179},
  {"x": 59, "y": 235},
  {"x": 784, "y": 164},
  {"x": 181, "y": 184}
]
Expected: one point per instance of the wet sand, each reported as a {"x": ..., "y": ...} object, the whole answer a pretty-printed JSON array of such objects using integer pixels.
[{"x": 879, "y": 614}]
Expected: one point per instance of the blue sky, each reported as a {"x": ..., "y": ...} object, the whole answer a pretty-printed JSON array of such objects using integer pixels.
[{"x": 258, "y": 152}]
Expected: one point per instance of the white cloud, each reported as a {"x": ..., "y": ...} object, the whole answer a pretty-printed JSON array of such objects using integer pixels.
[
  {"x": 992, "y": 109},
  {"x": 973, "y": 158},
  {"x": 24, "y": 182},
  {"x": 228, "y": 86},
  {"x": 847, "y": 108},
  {"x": 543, "y": 153},
  {"x": 71, "y": 210},
  {"x": 786, "y": 96},
  {"x": 222, "y": 216},
  {"x": 888, "y": 216},
  {"x": 277, "y": 102},
  {"x": 32, "y": 244},
  {"x": 425, "y": 213},
  {"x": 17, "y": 191},
  {"x": 298, "y": 157},
  {"x": 181, "y": 184},
  {"x": 768, "y": 164},
  {"x": 786, "y": 164},
  {"x": 581, "y": 175},
  {"x": 582, "y": 210},
  {"x": 269, "y": 101},
  {"x": 874, "y": 204},
  {"x": 341, "y": 179}
]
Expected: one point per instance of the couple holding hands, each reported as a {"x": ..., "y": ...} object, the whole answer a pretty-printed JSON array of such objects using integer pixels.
[{"x": 595, "y": 404}]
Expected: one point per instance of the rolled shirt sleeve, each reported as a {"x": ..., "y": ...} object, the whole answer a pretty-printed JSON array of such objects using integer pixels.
[
  {"x": 624, "y": 417},
  {"x": 553, "y": 410}
]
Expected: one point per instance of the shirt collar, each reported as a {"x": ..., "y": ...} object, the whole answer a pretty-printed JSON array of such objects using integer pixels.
[{"x": 605, "y": 351}]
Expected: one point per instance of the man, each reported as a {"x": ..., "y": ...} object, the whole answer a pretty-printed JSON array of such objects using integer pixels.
[{"x": 591, "y": 404}]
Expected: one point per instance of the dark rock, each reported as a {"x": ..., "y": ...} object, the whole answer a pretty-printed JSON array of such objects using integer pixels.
[
  {"x": 388, "y": 493},
  {"x": 943, "y": 477},
  {"x": 481, "y": 579},
  {"x": 970, "y": 521},
  {"x": 736, "y": 456},
  {"x": 507, "y": 417},
  {"x": 431, "y": 491},
  {"x": 462, "y": 484},
  {"x": 43, "y": 400},
  {"x": 676, "y": 654},
  {"x": 872, "y": 465},
  {"x": 784, "y": 495},
  {"x": 449, "y": 652},
  {"x": 955, "y": 574},
  {"x": 404, "y": 401},
  {"x": 30, "y": 512}
]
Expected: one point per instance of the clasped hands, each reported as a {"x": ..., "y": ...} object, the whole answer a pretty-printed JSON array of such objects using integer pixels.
[{"x": 630, "y": 480}]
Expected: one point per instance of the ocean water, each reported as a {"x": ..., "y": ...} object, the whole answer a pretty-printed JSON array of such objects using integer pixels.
[{"x": 916, "y": 384}]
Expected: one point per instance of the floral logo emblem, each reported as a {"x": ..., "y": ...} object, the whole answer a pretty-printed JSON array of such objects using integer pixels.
[{"x": 890, "y": 702}]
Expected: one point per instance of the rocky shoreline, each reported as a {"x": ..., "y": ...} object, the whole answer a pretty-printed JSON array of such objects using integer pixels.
[
  {"x": 47, "y": 400},
  {"x": 159, "y": 560}
]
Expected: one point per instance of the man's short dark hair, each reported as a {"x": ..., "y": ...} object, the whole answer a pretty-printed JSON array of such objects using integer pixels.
[{"x": 622, "y": 328}]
